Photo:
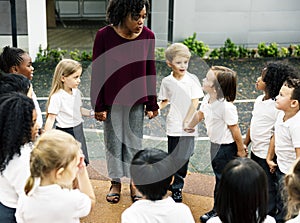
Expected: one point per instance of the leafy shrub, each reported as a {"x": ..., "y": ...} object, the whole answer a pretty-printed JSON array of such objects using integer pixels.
[
  {"x": 268, "y": 51},
  {"x": 159, "y": 53},
  {"x": 229, "y": 50},
  {"x": 80, "y": 56},
  {"x": 294, "y": 50},
  {"x": 196, "y": 47},
  {"x": 50, "y": 55},
  {"x": 215, "y": 54}
]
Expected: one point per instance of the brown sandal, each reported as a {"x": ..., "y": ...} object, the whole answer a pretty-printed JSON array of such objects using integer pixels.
[{"x": 114, "y": 197}]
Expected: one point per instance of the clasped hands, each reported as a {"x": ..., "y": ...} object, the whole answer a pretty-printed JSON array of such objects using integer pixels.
[{"x": 101, "y": 116}]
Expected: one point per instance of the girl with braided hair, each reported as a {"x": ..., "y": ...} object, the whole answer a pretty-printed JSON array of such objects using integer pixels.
[
  {"x": 17, "y": 61},
  {"x": 56, "y": 160},
  {"x": 18, "y": 129}
]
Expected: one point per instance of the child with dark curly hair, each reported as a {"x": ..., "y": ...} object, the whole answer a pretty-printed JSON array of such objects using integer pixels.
[
  {"x": 263, "y": 119},
  {"x": 15, "y": 83},
  {"x": 18, "y": 128}
]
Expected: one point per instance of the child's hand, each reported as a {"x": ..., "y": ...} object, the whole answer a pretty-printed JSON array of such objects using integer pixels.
[
  {"x": 92, "y": 113},
  {"x": 272, "y": 165},
  {"x": 151, "y": 114},
  {"x": 188, "y": 129},
  {"x": 243, "y": 152},
  {"x": 101, "y": 116},
  {"x": 81, "y": 162}
]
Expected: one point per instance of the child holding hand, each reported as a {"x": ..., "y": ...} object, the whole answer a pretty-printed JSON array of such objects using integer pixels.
[
  {"x": 221, "y": 120},
  {"x": 182, "y": 90},
  {"x": 65, "y": 105},
  {"x": 56, "y": 160}
]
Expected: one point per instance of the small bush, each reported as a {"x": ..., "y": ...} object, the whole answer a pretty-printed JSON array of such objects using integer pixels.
[
  {"x": 196, "y": 47},
  {"x": 268, "y": 51},
  {"x": 229, "y": 50},
  {"x": 50, "y": 55}
]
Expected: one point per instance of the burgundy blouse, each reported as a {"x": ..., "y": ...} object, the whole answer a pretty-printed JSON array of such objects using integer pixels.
[{"x": 123, "y": 71}]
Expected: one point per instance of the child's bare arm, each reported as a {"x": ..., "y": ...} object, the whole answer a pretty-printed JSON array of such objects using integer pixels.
[
  {"x": 163, "y": 103},
  {"x": 50, "y": 122},
  {"x": 297, "y": 152},
  {"x": 191, "y": 111},
  {"x": 271, "y": 154},
  {"x": 86, "y": 112},
  {"x": 247, "y": 140},
  {"x": 84, "y": 183},
  {"x": 198, "y": 116},
  {"x": 237, "y": 136}
]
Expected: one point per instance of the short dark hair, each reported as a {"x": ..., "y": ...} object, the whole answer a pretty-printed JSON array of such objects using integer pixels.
[
  {"x": 226, "y": 82},
  {"x": 152, "y": 171},
  {"x": 10, "y": 56},
  {"x": 243, "y": 192},
  {"x": 15, "y": 125},
  {"x": 275, "y": 75},
  {"x": 14, "y": 83},
  {"x": 117, "y": 10},
  {"x": 295, "y": 84}
]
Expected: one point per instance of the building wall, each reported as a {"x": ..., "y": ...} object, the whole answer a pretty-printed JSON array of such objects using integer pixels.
[{"x": 246, "y": 22}]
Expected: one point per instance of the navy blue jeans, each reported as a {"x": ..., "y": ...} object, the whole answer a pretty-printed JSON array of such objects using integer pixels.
[
  {"x": 220, "y": 156},
  {"x": 7, "y": 214}
]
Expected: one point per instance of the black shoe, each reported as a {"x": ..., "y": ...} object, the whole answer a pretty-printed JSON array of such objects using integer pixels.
[
  {"x": 204, "y": 218},
  {"x": 177, "y": 195}
]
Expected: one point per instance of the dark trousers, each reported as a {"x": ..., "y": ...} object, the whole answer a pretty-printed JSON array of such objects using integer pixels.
[
  {"x": 181, "y": 149},
  {"x": 281, "y": 210},
  {"x": 271, "y": 183},
  {"x": 7, "y": 214},
  {"x": 220, "y": 156}
]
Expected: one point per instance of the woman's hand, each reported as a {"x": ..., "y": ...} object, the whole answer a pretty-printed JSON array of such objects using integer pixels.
[{"x": 101, "y": 116}]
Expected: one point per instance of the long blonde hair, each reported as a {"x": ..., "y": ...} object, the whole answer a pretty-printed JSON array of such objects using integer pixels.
[
  {"x": 292, "y": 187},
  {"x": 53, "y": 150},
  {"x": 64, "y": 68}
]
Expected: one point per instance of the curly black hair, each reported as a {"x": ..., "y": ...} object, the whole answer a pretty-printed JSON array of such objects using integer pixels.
[
  {"x": 14, "y": 83},
  {"x": 117, "y": 10},
  {"x": 275, "y": 75},
  {"x": 15, "y": 125},
  {"x": 10, "y": 56}
]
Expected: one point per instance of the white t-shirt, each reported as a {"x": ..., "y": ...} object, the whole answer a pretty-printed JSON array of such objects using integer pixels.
[
  {"x": 161, "y": 211},
  {"x": 217, "y": 116},
  {"x": 294, "y": 220},
  {"x": 14, "y": 177},
  {"x": 287, "y": 138},
  {"x": 179, "y": 93},
  {"x": 263, "y": 119},
  {"x": 39, "y": 116},
  {"x": 216, "y": 219},
  {"x": 51, "y": 203},
  {"x": 66, "y": 107}
]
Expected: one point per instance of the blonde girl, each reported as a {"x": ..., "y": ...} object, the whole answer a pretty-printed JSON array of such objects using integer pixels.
[
  {"x": 65, "y": 105},
  {"x": 292, "y": 186},
  {"x": 221, "y": 120},
  {"x": 56, "y": 160}
]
